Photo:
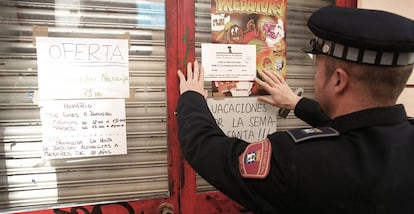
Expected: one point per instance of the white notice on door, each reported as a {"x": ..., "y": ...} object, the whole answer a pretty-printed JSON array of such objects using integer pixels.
[
  {"x": 79, "y": 68},
  {"x": 245, "y": 118},
  {"x": 82, "y": 128}
]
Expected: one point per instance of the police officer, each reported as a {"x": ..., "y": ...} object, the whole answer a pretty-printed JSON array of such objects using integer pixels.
[{"x": 360, "y": 156}]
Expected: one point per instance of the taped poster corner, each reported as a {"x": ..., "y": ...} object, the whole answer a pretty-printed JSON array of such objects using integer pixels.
[
  {"x": 126, "y": 35},
  {"x": 39, "y": 31}
]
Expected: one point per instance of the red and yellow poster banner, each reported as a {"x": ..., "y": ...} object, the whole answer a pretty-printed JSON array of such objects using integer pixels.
[{"x": 255, "y": 22}]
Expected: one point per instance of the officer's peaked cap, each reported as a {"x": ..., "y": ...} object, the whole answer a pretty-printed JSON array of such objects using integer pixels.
[{"x": 363, "y": 36}]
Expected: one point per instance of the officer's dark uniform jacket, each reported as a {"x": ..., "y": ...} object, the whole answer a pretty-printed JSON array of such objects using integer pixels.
[{"x": 363, "y": 163}]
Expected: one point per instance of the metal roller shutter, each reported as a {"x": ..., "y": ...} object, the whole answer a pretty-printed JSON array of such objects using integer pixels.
[
  {"x": 300, "y": 68},
  {"x": 30, "y": 182}
]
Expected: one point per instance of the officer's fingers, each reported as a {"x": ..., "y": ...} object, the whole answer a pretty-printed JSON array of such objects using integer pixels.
[
  {"x": 196, "y": 74},
  {"x": 181, "y": 76},
  {"x": 265, "y": 85},
  {"x": 260, "y": 82},
  {"x": 279, "y": 77},
  {"x": 201, "y": 74},
  {"x": 189, "y": 71},
  {"x": 266, "y": 77},
  {"x": 276, "y": 78}
]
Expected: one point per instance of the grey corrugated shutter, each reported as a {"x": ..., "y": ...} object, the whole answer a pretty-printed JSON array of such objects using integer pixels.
[
  {"x": 30, "y": 182},
  {"x": 300, "y": 68}
]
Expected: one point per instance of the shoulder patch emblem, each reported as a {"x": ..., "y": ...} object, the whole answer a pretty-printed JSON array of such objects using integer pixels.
[
  {"x": 254, "y": 162},
  {"x": 299, "y": 135}
]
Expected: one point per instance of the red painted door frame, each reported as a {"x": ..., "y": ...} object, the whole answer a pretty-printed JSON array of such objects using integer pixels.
[
  {"x": 180, "y": 51},
  {"x": 347, "y": 3}
]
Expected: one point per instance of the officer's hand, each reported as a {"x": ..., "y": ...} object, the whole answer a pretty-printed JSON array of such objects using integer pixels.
[
  {"x": 281, "y": 94},
  {"x": 194, "y": 81}
]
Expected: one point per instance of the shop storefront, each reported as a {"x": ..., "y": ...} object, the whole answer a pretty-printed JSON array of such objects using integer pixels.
[{"x": 151, "y": 176}]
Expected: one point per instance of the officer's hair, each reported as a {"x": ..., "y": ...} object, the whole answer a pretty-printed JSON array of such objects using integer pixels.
[{"x": 383, "y": 83}]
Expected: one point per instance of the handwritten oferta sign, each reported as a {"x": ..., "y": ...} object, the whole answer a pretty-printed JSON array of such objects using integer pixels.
[{"x": 78, "y": 68}]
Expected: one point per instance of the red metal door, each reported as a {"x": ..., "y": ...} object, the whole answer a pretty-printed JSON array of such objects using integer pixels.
[{"x": 181, "y": 49}]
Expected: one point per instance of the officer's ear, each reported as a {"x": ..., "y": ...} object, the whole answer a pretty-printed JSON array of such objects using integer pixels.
[{"x": 340, "y": 80}]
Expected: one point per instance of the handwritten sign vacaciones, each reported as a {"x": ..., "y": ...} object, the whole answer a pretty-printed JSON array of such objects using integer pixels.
[{"x": 244, "y": 118}]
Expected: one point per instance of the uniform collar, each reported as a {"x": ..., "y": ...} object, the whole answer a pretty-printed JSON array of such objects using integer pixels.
[{"x": 369, "y": 117}]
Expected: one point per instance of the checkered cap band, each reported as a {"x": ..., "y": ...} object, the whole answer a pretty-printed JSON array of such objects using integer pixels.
[{"x": 364, "y": 56}]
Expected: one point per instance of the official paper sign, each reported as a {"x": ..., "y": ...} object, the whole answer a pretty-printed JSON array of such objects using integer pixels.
[{"x": 228, "y": 62}]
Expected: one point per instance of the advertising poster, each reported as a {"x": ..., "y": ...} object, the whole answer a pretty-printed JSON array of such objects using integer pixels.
[{"x": 259, "y": 23}]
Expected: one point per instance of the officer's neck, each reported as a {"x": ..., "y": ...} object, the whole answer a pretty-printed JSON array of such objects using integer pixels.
[{"x": 350, "y": 103}]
